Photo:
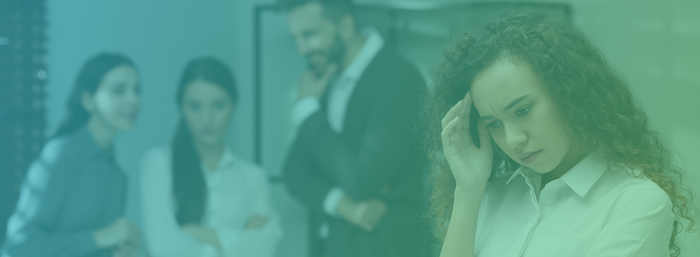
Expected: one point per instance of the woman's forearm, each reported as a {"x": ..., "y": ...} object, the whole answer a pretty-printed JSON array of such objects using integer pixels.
[{"x": 461, "y": 232}]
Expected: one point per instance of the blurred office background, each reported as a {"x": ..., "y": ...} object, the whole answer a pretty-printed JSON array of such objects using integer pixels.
[{"x": 44, "y": 43}]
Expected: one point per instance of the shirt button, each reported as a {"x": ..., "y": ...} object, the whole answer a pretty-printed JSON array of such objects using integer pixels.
[{"x": 549, "y": 202}]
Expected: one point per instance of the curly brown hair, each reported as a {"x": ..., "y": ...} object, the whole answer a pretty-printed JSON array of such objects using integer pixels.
[{"x": 590, "y": 96}]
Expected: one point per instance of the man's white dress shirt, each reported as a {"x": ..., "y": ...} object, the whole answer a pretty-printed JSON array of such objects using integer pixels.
[
  {"x": 237, "y": 190},
  {"x": 587, "y": 212}
]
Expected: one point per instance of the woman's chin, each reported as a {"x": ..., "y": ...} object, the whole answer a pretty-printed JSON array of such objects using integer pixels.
[
  {"x": 537, "y": 168},
  {"x": 208, "y": 140},
  {"x": 119, "y": 127}
]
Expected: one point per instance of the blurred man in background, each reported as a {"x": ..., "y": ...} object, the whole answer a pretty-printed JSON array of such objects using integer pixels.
[{"x": 355, "y": 161}]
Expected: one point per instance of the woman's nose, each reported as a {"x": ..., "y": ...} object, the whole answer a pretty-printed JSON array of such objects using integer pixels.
[{"x": 514, "y": 136}]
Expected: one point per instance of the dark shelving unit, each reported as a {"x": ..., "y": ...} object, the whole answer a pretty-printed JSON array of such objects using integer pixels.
[{"x": 23, "y": 75}]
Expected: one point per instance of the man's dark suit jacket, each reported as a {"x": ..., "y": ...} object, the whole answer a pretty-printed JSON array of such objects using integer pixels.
[{"x": 377, "y": 150}]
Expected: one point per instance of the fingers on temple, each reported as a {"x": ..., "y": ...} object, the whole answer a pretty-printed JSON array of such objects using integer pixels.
[
  {"x": 465, "y": 112},
  {"x": 449, "y": 128},
  {"x": 451, "y": 114}
]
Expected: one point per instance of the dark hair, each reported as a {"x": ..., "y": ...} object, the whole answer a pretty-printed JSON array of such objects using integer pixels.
[
  {"x": 591, "y": 98},
  {"x": 189, "y": 187},
  {"x": 88, "y": 81},
  {"x": 332, "y": 9}
]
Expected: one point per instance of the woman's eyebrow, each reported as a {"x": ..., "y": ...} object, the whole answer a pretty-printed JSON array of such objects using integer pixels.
[
  {"x": 508, "y": 107},
  {"x": 118, "y": 83},
  {"x": 514, "y": 102},
  {"x": 486, "y": 118}
]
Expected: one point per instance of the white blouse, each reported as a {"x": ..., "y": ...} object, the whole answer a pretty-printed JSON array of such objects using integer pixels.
[
  {"x": 586, "y": 212},
  {"x": 237, "y": 191}
]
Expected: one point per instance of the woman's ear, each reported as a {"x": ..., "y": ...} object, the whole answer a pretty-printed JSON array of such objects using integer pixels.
[{"x": 88, "y": 102}]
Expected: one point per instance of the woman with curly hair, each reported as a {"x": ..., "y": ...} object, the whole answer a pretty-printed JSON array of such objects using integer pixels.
[{"x": 540, "y": 149}]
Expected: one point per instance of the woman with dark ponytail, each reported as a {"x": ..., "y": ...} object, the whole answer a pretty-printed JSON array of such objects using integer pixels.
[
  {"x": 73, "y": 197},
  {"x": 198, "y": 198}
]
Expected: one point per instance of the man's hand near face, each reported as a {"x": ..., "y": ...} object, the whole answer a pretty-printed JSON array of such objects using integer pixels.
[{"x": 315, "y": 85}]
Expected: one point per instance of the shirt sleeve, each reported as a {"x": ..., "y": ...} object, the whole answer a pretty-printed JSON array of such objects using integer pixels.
[
  {"x": 44, "y": 189},
  {"x": 304, "y": 108},
  {"x": 261, "y": 242},
  {"x": 331, "y": 201},
  {"x": 640, "y": 227},
  {"x": 162, "y": 232}
]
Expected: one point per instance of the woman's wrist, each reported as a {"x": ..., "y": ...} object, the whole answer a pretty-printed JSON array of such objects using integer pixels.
[
  {"x": 470, "y": 198},
  {"x": 98, "y": 239},
  {"x": 214, "y": 237},
  {"x": 471, "y": 191}
]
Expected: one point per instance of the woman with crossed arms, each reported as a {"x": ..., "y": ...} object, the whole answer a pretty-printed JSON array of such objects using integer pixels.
[{"x": 199, "y": 199}]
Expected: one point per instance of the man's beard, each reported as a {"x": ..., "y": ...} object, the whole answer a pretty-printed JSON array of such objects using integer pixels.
[{"x": 334, "y": 55}]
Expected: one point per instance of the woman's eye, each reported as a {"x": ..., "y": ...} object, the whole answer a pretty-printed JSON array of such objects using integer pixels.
[
  {"x": 523, "y": 111},
  {"x": 493, "y": 125},
  {"x": 118, "y": 91}
]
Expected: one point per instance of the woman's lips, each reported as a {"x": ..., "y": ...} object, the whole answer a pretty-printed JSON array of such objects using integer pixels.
[{"x": 529, "y": 157}]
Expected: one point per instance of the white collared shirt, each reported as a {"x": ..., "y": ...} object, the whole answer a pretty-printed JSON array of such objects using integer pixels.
[
  {"x": 236, "y": 191},
  {"x": 587, "y": 212},
  {"x": 341, "y": 90}
]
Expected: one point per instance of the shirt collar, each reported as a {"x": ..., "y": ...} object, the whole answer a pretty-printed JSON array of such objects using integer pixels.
[
  {"x": 369, "y": 50},
  {"x": 515, "y": 174},
  {"x": 523, "y": 171},
  {"x": 227, "y": 160},
  {"x": 584, "y": 174},
  {"x": 580, "y": 178}
]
